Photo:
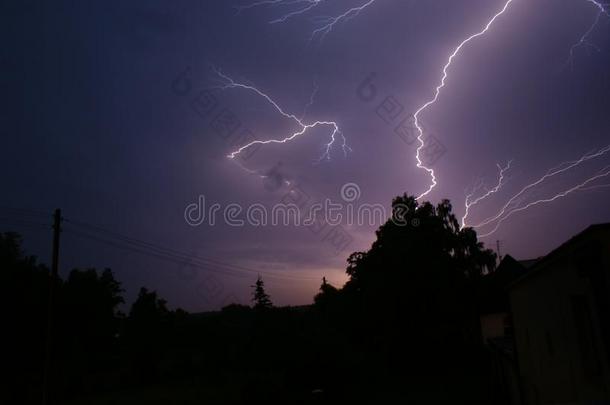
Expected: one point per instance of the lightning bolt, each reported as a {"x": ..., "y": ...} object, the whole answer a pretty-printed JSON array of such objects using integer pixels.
[
  {"x": 328, "y": 23},
  {"x": 595, "y": 187},
  {"x": 303, "y": 127},
  {"x": 469, "y": 203},
  {"x": 260, "y": 174},
  {"x": 583, "y": 41},
  {"x": 312, "y": 99},
  {"x": 454, "y": 54},
  {"x": 312, "y": 4},
  {"x": 582, "y": 186},
  {"x": 309, "y": 4},
  {"x": 262, "y": 3},
  {"x": 562, "y": 168},
  {"x": 304, "y": 6},
  {"x": 512, "y": 206}
]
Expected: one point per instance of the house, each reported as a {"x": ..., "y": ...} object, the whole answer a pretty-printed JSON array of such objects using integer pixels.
[
  {"x": 496, "y": 328},
  {"x": 560, "y": 312},
  {"x": 494, "y": 305}
]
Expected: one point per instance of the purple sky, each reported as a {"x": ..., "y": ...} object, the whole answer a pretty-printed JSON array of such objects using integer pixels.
[{"x": 94, "y": 123}]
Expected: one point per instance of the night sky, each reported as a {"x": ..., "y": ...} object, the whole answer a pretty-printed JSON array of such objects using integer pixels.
[{"x": 103, "y": 117}]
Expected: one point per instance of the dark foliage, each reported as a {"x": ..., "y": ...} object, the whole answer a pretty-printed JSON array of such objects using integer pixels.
[
  {"x": 403, "y": 325},
  {"x": 24, "y": 294},
  {"x": 414, "y": 289}
]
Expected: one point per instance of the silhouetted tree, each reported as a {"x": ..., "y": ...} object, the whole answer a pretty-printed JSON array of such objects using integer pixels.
[
  {"x": 86, "y": 323},
  {"x": 89, "y": 324},
  {"x": 260, "y": 298},
  {"x": 148, "y": 309},
  {"x": 414, "y": 286},
  {"x": 235, "y": 308},
  {"x": 146, "y": 333},
  {"x": 327, "y": 295},
  {"x": 409, "y": 302},
  {"x": 23, "y": 299},
  {"x": 91, "y": 301}
]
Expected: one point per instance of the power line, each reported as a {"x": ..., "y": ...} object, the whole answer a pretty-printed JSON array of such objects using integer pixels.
[
  {"x": 184, "y": 261},
  {"x": 163, "y": 249},
  {"x": 173, "y": 252},
  {"x": 137, "y": 245},
  {"x": 124, "y": 242},
  {"x": 225, "y": 269}
]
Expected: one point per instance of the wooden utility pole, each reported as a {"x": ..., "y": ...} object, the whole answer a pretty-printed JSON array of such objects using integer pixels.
[
  {"x": 499, "y": 252},
  {"x": 47, "y": 391}
]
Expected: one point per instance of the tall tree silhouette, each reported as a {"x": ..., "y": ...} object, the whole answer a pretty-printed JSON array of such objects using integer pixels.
[
  {"x": 89, "y": 324},
  {"x": 23, "y": 298},
  {"x": 260, "y": 298},
  {"x": 86, "y": 326},
  {"x": 327, "y": 295},
  {"x": 146, "y": 334},
  {"x": 414, "y": 286}
]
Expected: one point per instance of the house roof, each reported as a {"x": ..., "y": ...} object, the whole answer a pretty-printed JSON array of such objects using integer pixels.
[
  {"x": 529, "y": 262},
  {"x": 492, "y": 291},
  {"x": 510, "y": 269},
  {"x": 540, "y": 264}
]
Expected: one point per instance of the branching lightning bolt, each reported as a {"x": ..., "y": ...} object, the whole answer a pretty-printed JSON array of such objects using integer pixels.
[
  {"x": 328, "y": 23},
  {"x": 304, "y": 127},
  {"x": 304, "y": 6},
  {"x": 312, "y": 4},
  {"x": 307, "y": 5},
  {"x": 515, "y": 204},
  {"x": 261, "y": 3},
  {"x": 595, "y": 187},
  {"x": 562, "y": 168},
  {"x": 512, "y": 206},
  {"x": 470, "y": 202},
  {"x": 420, "y": 137},
  {"x": 582, "y": 186},
  {"x": 584, "y": 39}
]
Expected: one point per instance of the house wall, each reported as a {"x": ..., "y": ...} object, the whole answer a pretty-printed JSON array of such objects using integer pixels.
[
  {"x": 561, "y": 353},
  {"x": 493, "y": 325},
  {"x": 505, "y": 381}
]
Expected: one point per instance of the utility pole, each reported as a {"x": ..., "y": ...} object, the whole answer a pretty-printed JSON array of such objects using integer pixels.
[
  {"x": 498, "y": 250},
  {"x": 47, "y": 392}
]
